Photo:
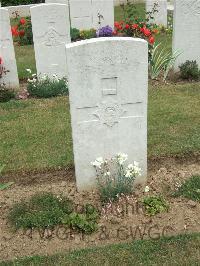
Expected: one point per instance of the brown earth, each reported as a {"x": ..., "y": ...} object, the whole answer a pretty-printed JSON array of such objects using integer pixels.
[{"x": 183, "y": 215}]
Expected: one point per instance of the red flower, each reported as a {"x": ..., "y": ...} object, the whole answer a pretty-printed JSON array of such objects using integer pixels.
[
  {"x": 14, "y": 31},
  {"x": 142, "y": 30},
  {"x": 22, "y": 21},
  {"x": 155, "y": 31},
  {"x": 151, "y": 40},
  {"x": 135, "y": 26},
  {"x": 116, "y": 24},
  {"x": 114, "y": 32},
  {"x": 147, "y": 32},
  {"x": 127, "y": 26},
  {"x": 1, "y": 61},
  {"x": 21, "y": 33}
]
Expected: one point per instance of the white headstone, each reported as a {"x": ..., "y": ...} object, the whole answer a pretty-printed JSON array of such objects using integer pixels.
[
  {"x": 186, "y": 32},
  {"x": 56, "y": 2},
  {"x": 84, "y": 13},
  {"x": 108, "y": 100},
  {"x": 160, "y": 17},
  {"x": 7, "y": 51},
  {"x": 51, "y": 32}
]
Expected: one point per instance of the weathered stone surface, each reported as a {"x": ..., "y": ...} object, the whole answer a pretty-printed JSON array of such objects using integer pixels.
[
  {"x": 160, "y": 17},
  {"x": 108, "y": 98},
  {"x": 51, "y": 32},
  {"x": 7, "y": 51},
  {"x": 56, "y": 2},
  {"x": 186, "y": 33},
  {"x": 84, "y": 13}
]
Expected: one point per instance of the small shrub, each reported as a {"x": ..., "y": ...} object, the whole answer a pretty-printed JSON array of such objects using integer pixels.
[
  {"x": 106, "y": 31},
  {"x": 155, "y": 204},
  {"x": 20, "y": 2},
  {"x": 45, "y": 87},
  {"x": 161, "y": 62},
  {"x": 22, "y": 31},
  {"x": 88, "y": 34},
  {"x": 189, "y": 70},
  {"x": 6, "y": 94},
  {"x": 190, "y": 189},
  {"x": 114, "y": 178},
  {"x": 75, "y": 34},
  {"x": 85, "y": 222},
  {"x": 45, "y": 210}
]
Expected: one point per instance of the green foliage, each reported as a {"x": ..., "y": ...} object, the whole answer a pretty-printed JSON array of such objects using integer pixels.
[
  {"x": 46, "y": 87},
  {"x": 6, "y": 185},
  {"x": 22, "y": 30},
  {"x": 85, "y": 222},
  {"x": 110, "y": 192},
  {"x": 75, "y": 34},
  {"x": 1, "y": 168},
  {"x": 46, "y": 210},
  {"x": 27, "y": 39},
  {"x": 132, "y": 10},
  {"x": 88, "y": 34},
  {"x": 155, "y": 204},
  {"x": 190, "y": 189},
  {"x": 6, "y": 94},
  {"x": 161, "y": 61},
  {"x": 114, "y": 177},
  {"x": 20, "y": 2},
  {"x": 190, "y": 70}
]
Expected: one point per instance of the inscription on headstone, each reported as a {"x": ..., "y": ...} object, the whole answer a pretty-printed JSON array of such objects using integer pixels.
[{"x": 51, "y": 32}]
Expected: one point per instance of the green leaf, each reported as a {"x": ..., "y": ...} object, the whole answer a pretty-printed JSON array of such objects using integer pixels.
[{"x": 6, "y": 185}]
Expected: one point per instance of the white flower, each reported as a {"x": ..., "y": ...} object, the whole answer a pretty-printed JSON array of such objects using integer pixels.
[
  {"x": 107, "y": 174},
  {"x": 121, "y": 158},
  {"x": 146, "y": 189},
  {"x": 136, "y": 163},
  {"x": 130, "y": 166},
  {"x": 34, "y": 75},
  {"x": 128, "y": 173},
  {"x": 134, "y": 168},
  {"x": 98, "y": 162},
  {"x": 28, "y": 70}
]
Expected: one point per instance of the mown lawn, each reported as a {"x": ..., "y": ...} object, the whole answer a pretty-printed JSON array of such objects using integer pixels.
[
  {"x": 180, "y": 250},
  {"x": 36, "y": 133}
]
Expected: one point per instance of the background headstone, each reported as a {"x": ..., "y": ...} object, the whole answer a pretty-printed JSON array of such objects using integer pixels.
[
  {"x": 51, "y": 32},
  {"x": 56, "y": 2},
  {"x": 186, "y": 32},
  {"x": 84, "y": 13},
  {"x": 108, "y": 100},
  {"x": 7, "y": 51},
  {"x": 160, "y": 17}
]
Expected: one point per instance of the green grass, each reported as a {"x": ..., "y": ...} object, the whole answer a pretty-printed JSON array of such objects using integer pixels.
[
  {"x": 190, "y": 189},
  {"x": 36, "y": 134},
  {"x": 119, "y": 14},
  {"x": 173, "y": 120},
  {"x": 25, "y": 58},
  {"x": 179, "y": 250}
]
